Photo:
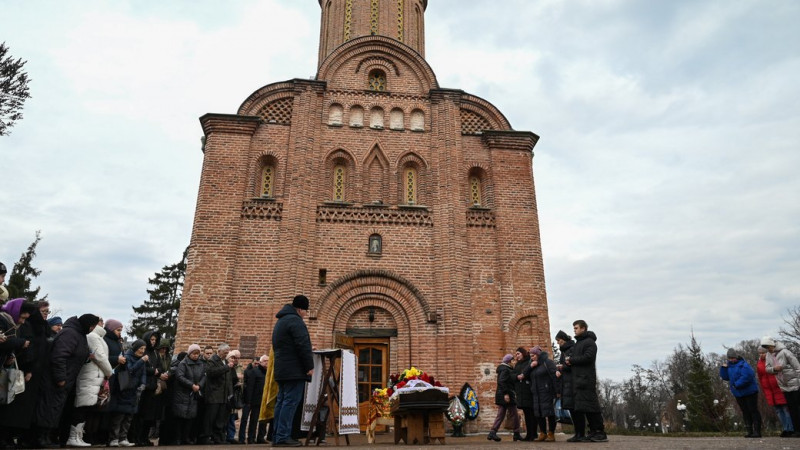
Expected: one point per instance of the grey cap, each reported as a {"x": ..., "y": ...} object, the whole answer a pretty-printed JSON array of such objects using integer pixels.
[{"x": 732, "y": 354}]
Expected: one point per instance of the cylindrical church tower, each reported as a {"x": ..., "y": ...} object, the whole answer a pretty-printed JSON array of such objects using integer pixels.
[{"x": 343, "y": 20}]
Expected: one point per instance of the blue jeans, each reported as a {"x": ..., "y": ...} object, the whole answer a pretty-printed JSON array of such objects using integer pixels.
[
  {"x": 783, "y": 414},
  {"x": 290, "y": 395}
]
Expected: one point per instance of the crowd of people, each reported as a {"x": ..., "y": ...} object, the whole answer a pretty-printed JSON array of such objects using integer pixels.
[
  {"x": 83, "y": 385},
  {"x": 529, "y": 380},
  {"x": 778, "y": 374}
]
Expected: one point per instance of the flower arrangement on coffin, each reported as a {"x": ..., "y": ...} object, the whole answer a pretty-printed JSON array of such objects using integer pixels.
[{"x": 398, "y": 381}]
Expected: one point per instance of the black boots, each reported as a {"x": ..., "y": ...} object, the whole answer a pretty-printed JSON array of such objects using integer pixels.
[
  {"x": 493, "y": 436},
  {"x": 517, "y": 436}
]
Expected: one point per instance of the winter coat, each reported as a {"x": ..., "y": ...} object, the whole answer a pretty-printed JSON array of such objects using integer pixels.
[
  {"x": 522, "y": 388},
  {"x": 740, "y": 377},
  {"x": 34, "y": 360},
  {"x": 151, "y": 406},
  {"x": 769, "y": 385},
  {"x": 505, "y": 385},
  {"x": 789, "y": 376},
  {"x": 13, "y": 342},
  {"x": 218, "y": 381},
  {"x": 115, "y": 348},
  {"x": 544, "y": 386},
  {"x": 94, "y": 372},
  {"x": 567, "y": 377},
  {"x": 184, "y": 400},
  {"x": 292, "y": 346},
  {"x": 584, "y": 373},
  {"x": 70, "y": 351},
  {"x": 126, "y": 400},
  {"x": 254, "y": 384}
]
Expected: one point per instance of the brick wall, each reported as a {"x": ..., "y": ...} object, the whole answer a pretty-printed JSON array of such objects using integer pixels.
[{"x": 460, "y": 284}]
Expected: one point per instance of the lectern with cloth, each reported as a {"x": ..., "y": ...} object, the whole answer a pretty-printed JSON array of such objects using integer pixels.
[{"x": 333, "y": 386}]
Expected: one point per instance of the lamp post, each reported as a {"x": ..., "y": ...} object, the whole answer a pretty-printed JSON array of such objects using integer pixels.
[{"x": 682, "y": 409}]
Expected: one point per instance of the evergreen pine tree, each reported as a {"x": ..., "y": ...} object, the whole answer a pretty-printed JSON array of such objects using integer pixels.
[
  {"x": 700, "y": 399},
  {"x": 19, "y": 281},
  {"x": 160, "y": 311}
]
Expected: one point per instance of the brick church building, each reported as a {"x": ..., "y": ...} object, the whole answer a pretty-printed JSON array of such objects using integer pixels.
[{"x": 404, "y": 210}]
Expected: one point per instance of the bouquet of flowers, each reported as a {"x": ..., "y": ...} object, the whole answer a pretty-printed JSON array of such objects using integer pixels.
[{"x": 398, "y": 381}]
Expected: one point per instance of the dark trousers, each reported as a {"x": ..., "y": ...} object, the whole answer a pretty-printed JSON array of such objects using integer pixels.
[
  {"x": 752, "y": 418},
  {"x": 793, "y": 402},
  {"x": 183, "y": 432},
  {"x": 543, "y": 423},
  {"x": 578, "y": 422},
  {"x": 215, "y": 420},
  {"x": 530, "y": 422},
  {"x": 249, "y": 423},
  {"x": 595, "y": 420}
]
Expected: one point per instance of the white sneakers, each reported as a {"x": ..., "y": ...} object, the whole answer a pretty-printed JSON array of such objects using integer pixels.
[
  {"x": 114, "y": 443},
  {"x": 125, "y": 443}
]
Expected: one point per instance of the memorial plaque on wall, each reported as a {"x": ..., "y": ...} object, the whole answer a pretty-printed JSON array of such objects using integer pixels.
[{"x": 247, "y": 346}]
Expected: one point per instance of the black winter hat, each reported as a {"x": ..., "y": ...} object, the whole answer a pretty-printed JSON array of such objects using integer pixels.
[
  {"x": 136, "y": 344},
  {"x": 300, "y": 302},
  {"x": 562, "y": 335},
  {"x": 3, "y": 269},
  {"x": 87, "y": 321}
]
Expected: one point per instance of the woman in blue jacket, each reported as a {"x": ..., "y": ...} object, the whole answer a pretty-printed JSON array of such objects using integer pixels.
[{"x": 744, "y": 387}]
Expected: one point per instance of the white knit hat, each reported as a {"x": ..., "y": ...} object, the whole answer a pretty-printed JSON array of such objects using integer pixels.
[
  {"x": 3, "y": 293},
  {"x": 767, "y": 341}
]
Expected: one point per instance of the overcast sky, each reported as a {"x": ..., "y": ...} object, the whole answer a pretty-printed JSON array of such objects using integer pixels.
[{"x": 666, "y": 173}]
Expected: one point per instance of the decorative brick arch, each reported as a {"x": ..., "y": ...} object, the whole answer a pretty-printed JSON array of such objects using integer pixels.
[
  {"x": 388, "y": 49},
  {"x": 371, "y": 283},
  {"x": 485, "y": 110},
  {"x": 267, "y": 94}
]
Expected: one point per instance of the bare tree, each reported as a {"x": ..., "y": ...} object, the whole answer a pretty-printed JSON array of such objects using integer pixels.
[
  {"x": 13, "y": 89},
  {"x": 790, "y": 333}
]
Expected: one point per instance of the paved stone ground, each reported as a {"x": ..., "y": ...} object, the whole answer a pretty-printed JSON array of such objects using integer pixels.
[{"x": 615, "y": 442}]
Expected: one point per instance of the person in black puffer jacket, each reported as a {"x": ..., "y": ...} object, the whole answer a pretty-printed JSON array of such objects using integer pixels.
[
  {"x": 151, "y": 405},
  {"x": 294, "y": 365},
  {"x": 254, "y": 378},
  {"x": 522, "y": 388},
  {"x": 505, "y": 399},
  {"x": 189, "y": 382},
  {"x": 544, "y": 388},
  {"x": 582, "y": 363},
  {"x": 564, "y": 373},
  {"x": 70, "y": 351}
]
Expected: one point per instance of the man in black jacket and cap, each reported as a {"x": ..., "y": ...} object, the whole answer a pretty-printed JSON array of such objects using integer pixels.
[
  {"x": 582, "y": 364},
  {"x": 293, "y": 366}
]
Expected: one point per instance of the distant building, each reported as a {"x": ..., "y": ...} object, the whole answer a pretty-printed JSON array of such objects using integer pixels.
[{"x": 405, "y": 211}]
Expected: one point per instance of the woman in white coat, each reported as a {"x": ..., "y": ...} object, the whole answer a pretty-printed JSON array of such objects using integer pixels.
[{"x": 90, "y": 380}]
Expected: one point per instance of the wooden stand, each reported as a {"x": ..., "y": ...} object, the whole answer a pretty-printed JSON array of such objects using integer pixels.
[
  {"x": 329, "y": 391},
  {"x": 419, "y": 427}
]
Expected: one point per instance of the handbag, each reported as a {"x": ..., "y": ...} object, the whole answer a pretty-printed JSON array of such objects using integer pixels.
[
  {"x": 236, "y": 400},
  {"x": 123, "y": 379},
  {"x": 104, "y": 395},
  {"x": 562, "y": 415},
  {"x": 12, "y": 383}
]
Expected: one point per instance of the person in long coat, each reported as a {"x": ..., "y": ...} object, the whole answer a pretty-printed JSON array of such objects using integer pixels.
[
  {"x": 782, "y": 363},
  {"x": 522, "y": 389},
  {"x": 16, "y": 344},
  {"x": 505, "y": 399},
  {"x": 254, "y": 378},
  {"x": 565, "y": 376},
  {"x": 541, "y": 373},
  {"x": 70, "y": 352},
  {"x": 124, "y": 394},
  {"x": 168, "y": 433},
  {"x": 91, "y": 378},
  {"x": 113, "y": 339},
  {"x": 773, "y": 394},
  {"x": 218, "y": 387},
  {"x": 582, "y": 363},
  {"x": 190, "y": 380},
  {"x": 151, "y": 405}
]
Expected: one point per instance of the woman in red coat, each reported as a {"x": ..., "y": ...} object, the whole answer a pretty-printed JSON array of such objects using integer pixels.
[{"x": 773, "y": 393}]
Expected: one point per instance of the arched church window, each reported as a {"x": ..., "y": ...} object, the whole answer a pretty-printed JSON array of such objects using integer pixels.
[
  {"x": 410, "y": 186},
  {"x": 475, "y": 190},
  {"x": 339, "y": 180},
  {"x": 267, "y": 180},
  {"x": 377, "y": 80}
]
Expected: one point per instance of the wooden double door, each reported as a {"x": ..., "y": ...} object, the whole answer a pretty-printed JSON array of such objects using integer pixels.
[{"x": 372, "y": 359}]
